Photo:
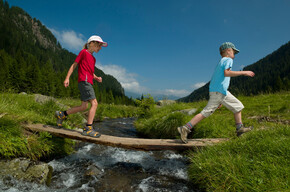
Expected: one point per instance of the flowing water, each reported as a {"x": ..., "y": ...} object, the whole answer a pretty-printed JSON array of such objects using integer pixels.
[{"x": 102, "y": 168}]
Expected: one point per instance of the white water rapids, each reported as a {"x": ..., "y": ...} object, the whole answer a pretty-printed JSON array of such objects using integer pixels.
[{"x": 115, "y": 169}]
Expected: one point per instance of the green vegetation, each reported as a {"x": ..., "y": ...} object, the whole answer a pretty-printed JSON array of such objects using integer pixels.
[
  {"x": 15, "y": 141},
  {"x": 16, "y": 109},
  {"x": 116, "y": 111},
  {"x": 256, "y": 161},
  {"x": 163, "y": 121},
  {"x": 159, "y": 122}
]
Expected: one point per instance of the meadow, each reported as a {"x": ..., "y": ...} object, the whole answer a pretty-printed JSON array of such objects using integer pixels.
[{"x": 256, "y": 161}]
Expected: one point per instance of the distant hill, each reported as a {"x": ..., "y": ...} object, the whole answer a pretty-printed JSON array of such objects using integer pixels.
[
  {"x": 272, "y": 74},
  {"x": 33, "y": 61}
]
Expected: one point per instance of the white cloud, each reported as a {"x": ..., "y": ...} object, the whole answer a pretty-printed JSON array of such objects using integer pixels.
[
  {"x": 198, "y": 85},
  {"x": 128, "y": 80},
  {"x": 173, "y": 92},
  {"x": 130, "y": 83},
  {"x": 69, "y": 39}
]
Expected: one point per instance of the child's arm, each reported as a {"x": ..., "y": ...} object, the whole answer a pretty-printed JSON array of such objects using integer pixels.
[
  {"x": 99, "y": 79},
  {"x": 229, "y": 73},
  {"x": 70, "y": 71}
]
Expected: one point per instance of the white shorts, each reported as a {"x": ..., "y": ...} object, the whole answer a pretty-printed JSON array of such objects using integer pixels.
[{"x": 216, "y": 98}]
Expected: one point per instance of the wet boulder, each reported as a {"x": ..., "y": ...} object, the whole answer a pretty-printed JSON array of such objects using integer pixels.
[
  {"x": 93, "y": 170},
  {"x": 26, "y": 170}
]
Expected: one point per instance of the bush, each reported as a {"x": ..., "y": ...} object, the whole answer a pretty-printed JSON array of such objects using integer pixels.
[{"x": 145, "y": 107}]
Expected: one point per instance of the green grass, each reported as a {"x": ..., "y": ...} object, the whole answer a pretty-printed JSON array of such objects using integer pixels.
[
  {"x": 257, "y": 161},
  {"x": 115, "y": 111},
  {"x": 16, "y": 109},
  {"x": 163, "y": 121},
  {"x": 104, "y": 110}
]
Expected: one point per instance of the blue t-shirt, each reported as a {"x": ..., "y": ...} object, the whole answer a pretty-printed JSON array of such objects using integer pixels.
[{"x": 220, "y": 83}]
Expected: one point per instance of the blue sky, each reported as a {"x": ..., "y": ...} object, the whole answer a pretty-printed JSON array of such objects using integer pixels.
[{"x": 165, "y": 47}]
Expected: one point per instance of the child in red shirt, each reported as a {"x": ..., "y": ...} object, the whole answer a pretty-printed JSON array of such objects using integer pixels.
[{"x": 86, "y": 67}]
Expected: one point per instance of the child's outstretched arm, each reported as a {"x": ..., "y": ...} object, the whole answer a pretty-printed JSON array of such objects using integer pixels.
[
  {"x": 70, "y": 71},
  {"x": 229, "y": 73}
]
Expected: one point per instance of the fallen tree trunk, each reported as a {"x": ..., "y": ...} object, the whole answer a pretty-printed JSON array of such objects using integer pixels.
[{"x": 123, "y": 142}]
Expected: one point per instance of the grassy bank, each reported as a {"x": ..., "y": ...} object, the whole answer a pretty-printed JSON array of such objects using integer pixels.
[
  {"x": 16, "y": 109},
  {"x": 259, "y": 110},
  {"x": 257, "y": 161}
]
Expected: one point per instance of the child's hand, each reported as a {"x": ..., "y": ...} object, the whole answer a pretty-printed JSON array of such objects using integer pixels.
[
  {"x": 66, "y": 83},
  {"x": 249, "y": 73},
  {"x": 99, "y": 79}
]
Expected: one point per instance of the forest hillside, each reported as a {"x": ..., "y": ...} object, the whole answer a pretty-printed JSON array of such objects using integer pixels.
[{"x": 33, "y": 61}]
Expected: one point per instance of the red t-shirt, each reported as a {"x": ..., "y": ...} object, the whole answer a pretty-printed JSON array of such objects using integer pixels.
[{"x": 86, "y": 67}]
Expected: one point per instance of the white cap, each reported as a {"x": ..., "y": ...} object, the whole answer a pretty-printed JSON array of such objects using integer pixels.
[{"x": 98, "y": 39}]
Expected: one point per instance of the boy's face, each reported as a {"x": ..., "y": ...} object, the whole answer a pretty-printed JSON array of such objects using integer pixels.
[{"x": 230, "y": 53}]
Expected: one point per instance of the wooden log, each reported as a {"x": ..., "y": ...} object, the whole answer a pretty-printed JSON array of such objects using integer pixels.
[{"x": 123, "y": 142}]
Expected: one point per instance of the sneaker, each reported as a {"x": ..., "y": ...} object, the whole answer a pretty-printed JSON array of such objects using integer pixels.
[
  {"x": 89, "y": 131},
  {"x": 183, "y": 133},
  {"x": 243, "y": 130},
  {"x": 60, "y": 117}
]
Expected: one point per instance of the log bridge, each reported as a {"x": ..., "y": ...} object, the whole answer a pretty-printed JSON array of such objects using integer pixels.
[{"x": 123, "y": 142}]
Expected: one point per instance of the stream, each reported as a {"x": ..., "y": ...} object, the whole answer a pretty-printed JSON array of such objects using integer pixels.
[{"x": 103, "y": 168}]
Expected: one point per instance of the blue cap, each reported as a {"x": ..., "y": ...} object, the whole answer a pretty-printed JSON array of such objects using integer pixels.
[{"x": 228, "y": 45}]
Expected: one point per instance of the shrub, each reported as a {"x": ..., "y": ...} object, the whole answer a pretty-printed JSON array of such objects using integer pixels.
[{"x": 145, "y": 106}]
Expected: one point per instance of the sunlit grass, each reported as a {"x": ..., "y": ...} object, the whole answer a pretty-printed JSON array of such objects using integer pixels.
[
  {"x": 16, "y": 109},
  {"x": 255, "y": 162}
]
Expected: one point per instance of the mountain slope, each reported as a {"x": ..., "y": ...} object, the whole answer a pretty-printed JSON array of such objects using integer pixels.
[
  {"x": 272, "y": 74},
  {"x": 33, "y": 61}
]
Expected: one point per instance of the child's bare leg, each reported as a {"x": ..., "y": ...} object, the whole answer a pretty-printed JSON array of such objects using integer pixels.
[
  {"x": 238, "y": 117},
  {"x": 92, "y": 111},
  {"x": 196, "y": 119},
  {"x": 186, "y": 129},
  {"x": 61, "y": 115},
  {"x": 82, "y": 107}
]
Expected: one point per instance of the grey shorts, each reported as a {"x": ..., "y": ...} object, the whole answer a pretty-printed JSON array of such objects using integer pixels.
[
  {"x": 216, "y": 98},
  {"x": 87, "y": 91}
]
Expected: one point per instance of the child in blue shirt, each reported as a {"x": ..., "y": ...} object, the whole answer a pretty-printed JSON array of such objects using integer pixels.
[{"x": 219, "y": 94}]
